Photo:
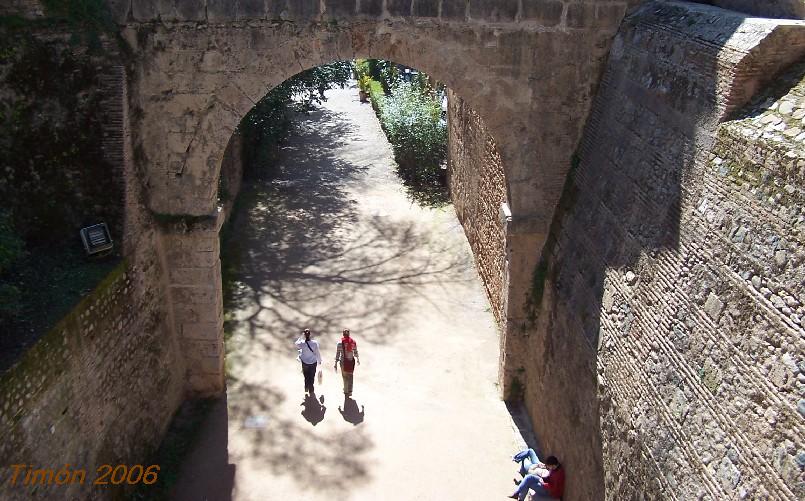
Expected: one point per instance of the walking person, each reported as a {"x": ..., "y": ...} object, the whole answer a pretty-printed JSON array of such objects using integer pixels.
[
  {"x": 309, "y": 356},
  {"x": 346, "y": 354}
]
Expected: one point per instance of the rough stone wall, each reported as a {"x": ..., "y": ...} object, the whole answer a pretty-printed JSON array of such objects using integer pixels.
[
  {"x": 477, "y": 189},
  {"x": 99, "y": 388},
  {"x": 666, "y": 346},
  {"x": 102, "y": 386},
  {"x": 192, "y": 257}
]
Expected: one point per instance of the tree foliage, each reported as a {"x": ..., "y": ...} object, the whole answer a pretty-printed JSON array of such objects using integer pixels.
[
  {"x": 379, "y": 70},
  {"x": 269, "y": 122},
  {"x": 412, "y": 119}
]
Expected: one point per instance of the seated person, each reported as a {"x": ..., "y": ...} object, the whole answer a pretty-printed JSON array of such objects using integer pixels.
[{"x": 547, "y": 479}]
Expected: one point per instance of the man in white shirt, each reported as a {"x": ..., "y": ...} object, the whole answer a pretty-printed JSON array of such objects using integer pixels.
[{"x": 309, "y": 356}]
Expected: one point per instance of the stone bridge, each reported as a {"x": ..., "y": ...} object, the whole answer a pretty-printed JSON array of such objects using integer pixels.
[
  {"x": 653, "y": 265},
  {"x": 530, "y": 69}
]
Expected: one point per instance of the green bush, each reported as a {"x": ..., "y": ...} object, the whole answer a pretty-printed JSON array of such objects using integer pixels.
[{"x": 411, "y": 118}]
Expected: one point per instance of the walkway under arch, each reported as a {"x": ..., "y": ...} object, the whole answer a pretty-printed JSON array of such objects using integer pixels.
[{"x": 333, "y": 241}]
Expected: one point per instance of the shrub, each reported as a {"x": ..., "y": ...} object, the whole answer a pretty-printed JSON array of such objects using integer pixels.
[{"x": 412, "y": 121}]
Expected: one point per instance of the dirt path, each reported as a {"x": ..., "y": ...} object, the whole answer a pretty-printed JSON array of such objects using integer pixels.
[{"x": 334, "y": 242}]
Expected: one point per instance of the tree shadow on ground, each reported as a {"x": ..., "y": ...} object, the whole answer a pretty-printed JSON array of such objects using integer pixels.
[
  {"x": 287, "y": 447},
  {"x": 296, "y": 255},
  {"x": 298, "y": 241}
]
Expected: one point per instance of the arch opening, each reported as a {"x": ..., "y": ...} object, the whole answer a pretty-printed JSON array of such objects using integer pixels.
[{"x": 331, "y": 241}]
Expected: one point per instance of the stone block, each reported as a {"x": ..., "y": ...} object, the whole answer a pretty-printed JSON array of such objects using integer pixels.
[
  {"x": 205, "y": 331},
  {"x": 198, "y": 295},
  {"x": 175, "y": 10},
  {"x": 192, "y": 259},
  {"x": 144, "y": 10},
  {"x": 201, "y": 384},
  {"x": 196, "y": 351},
  {"x": 713, "y": 306},
  {"x": 426, "y": 8},
  {"x": 371, "y": 7},
  {"x": 545, "y": 12},
  {"x": 580, "y": 15},
  {"x": 303, "y": 9},
  {"x": 190, "y": 313},
  {"x": 192, "y": 276},
  {"x": 190, "y": 10},
  {"x": 493, "y": 10},
  {"x": 255, "y": 9},
  {"x": 339, "y": 8},
  {"x": 454, "y": 9},
  {"x": 399, "y": 7}
]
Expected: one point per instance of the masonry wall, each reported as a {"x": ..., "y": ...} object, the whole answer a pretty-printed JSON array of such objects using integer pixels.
[
  {"x": 477, "y": 189},
  {"x": 668, "y": 345},
  {"x": 102, "y": 385},
  {"x": 99, "y": 388}
]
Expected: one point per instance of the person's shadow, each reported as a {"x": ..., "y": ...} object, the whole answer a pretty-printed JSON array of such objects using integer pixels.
[
  {"x": 314, "y": 409},
  {"x": 350, "y": 412}
]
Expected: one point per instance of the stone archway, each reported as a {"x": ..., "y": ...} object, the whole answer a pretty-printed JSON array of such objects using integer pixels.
[{"x": 531, "y": 83}]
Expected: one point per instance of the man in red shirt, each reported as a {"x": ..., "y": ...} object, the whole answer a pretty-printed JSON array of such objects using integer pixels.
[{"x": 547, "y": 480}]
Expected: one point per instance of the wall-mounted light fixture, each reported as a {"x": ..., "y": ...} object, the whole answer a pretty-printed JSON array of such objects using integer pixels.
[{"x": 96, "y": 239}]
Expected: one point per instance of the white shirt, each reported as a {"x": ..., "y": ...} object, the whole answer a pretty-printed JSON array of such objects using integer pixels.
[{"x": 308, "y": 355}]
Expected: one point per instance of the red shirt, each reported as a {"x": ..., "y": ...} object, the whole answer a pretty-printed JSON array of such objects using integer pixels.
[{"x": 555, "y": 482}]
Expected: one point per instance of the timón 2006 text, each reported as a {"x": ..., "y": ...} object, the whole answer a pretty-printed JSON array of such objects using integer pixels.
[{"x": 24, "y": 474}]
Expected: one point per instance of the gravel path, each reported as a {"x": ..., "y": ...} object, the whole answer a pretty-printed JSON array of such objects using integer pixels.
[{"x": 334, "y": 242}]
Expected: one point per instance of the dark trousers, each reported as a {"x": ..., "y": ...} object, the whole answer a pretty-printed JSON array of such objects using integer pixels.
[{"x": 309, "y": 371}]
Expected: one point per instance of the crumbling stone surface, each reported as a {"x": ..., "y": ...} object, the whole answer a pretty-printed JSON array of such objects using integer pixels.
[
  {"x": 478, "y": 188},
  {"x": 668, "y": 323},
  {"x": 103, "y": 384}
]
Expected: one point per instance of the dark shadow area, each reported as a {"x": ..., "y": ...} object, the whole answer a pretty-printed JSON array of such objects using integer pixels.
[
  {"x": 313, "y": 409},
  {"x": 350, "y": 412},
  {"x": 633, "y": 255},
  {"x": 198, "y": 436}
]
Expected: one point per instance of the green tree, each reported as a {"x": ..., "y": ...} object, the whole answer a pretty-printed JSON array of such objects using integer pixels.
[{"x": 269, "y": 122}]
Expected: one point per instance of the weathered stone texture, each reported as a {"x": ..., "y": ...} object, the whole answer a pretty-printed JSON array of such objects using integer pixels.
[
  {"x": 667, "y": 325},
  {"x": 194, "y": 292},
  {"x": 103, "y": 384},
  {"x": 791, "y": 9},
  {"x": 493, "y": 10},
  {"x": 100, "y": 387},
  {"x": 546, "y": 12},
  {"x": 478, "y": 189}
]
